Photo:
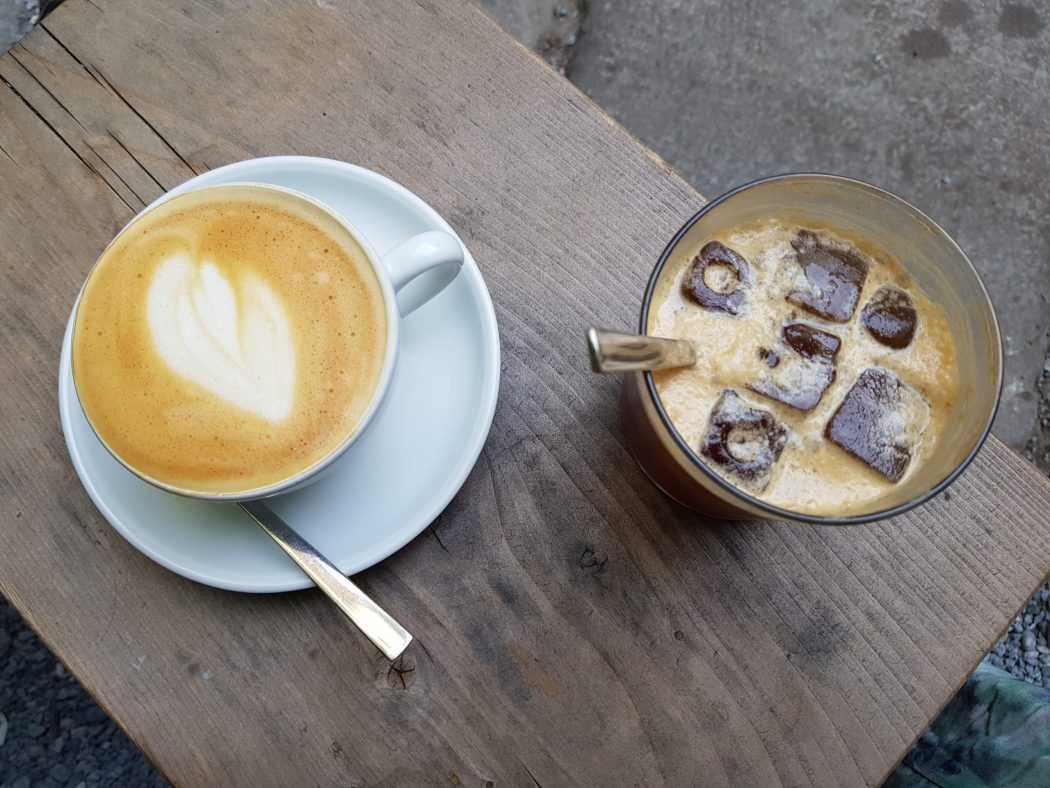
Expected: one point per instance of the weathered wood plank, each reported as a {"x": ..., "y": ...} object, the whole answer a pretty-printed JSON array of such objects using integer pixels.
[{"x": 573, "y": 625}]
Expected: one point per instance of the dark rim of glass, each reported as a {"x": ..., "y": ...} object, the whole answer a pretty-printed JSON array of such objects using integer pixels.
[{"x": 777, "y": 512}]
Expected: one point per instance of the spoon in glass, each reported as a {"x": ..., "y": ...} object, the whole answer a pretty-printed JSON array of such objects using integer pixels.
[{"x": 615, "y": 352}]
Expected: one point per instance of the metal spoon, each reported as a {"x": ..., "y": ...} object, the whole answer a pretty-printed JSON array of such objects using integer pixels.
[
  {"x": 615, "y": 352},
  {"x": 376, "y": 624}
]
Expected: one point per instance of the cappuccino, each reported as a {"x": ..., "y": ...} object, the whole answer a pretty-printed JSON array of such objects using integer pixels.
[{"x": 229, "y": 339}]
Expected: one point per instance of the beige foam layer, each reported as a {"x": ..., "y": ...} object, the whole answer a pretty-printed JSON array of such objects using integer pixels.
[{"x": 185, "y": 428}]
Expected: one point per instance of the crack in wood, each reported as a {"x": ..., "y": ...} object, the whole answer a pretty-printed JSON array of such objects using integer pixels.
[
  {"x": 64, "y": 141},
  {"x": 434, "y": 533},
  {"x": 109, "y": 166},
  {"x": 529, "y": 772},
  {"x": 113, "y": 612},
  {"x": 71, "y": 510},
  {"x": 423, "y": 646},
  {"x": 135, "y": 158},
  {"x": 66, "y": 50},
  {"x": 151, "y": 127},
  {"x": 12, "y": 158},
  {"x": 44, "y": 88}
]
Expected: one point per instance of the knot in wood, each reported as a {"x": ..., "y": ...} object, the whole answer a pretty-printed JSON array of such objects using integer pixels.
[
  {"x": 592, "y": 562},
  {"x": 401, "y": 674}
]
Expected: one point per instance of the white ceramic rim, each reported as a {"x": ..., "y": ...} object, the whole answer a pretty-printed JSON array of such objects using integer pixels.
[
  {"x": 476, "y": 440},
  {"x": 393, "y": 321}
]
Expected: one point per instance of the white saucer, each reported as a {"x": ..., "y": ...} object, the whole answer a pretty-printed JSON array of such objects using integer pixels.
[{"x": 412, "y": 459}]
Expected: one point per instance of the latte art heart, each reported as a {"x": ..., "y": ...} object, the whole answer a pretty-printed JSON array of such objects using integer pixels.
[
  {"x": 229, "y": 339},
  {"x": 235, "y": 342}
]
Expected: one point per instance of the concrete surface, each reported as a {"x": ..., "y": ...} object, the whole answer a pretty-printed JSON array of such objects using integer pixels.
[
  {"x": 526, "y": 20},
  {"x": 17, "y": 18},
  {"x": 944, "y": 103}
]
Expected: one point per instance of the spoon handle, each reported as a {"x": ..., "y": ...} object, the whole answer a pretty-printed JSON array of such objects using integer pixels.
[
  {"x": 377, "y": 625},
  {"x": 614, "y": 352}
]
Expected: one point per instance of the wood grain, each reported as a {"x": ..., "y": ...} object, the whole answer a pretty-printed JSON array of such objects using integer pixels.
[{"x": 574, "y": 626}]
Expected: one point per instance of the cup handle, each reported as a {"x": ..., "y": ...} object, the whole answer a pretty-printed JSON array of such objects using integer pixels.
[{"x": 435, "y": 251}]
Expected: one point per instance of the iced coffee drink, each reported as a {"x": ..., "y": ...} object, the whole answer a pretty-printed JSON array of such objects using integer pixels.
[{"x": 825, "y": 375}]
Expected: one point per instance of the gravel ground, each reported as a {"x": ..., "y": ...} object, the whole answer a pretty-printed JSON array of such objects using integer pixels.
[
  {"x": 51, "y": 732},
  {"x": 1024, "y": 650}
]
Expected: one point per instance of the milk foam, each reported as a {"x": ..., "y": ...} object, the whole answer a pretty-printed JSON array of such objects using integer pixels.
[
  {"x": 229, "y": 339},
  {"x": 234, "y": 341}
]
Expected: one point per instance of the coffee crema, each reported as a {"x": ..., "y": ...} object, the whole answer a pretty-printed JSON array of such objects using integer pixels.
[
  {"x": 825, "y": 376},
  {"x": 229, "y": 339}
]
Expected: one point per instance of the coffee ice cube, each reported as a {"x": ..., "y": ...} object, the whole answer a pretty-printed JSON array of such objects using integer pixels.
[
  {"x": 805, "y": 368},
  {"x": 829, "y": 279},
  {"x": 880, "y": 422},
  {"x": 744, "y": 443},
  {"x": 890, "y": 317},
  {"x": 717, "y": 279}
]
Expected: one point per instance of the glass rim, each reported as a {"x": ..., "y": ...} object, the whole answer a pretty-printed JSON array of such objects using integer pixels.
[{"x": 777, "y": 512}]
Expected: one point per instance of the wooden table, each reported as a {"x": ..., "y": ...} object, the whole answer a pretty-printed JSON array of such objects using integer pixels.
[{"x": 574, "y": 626}]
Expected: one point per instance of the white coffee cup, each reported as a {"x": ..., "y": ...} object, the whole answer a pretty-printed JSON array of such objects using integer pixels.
[{"x": 436, "y": 254}]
